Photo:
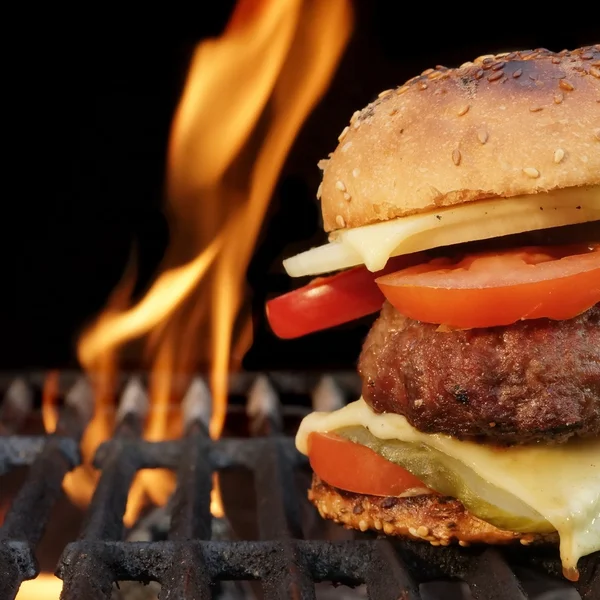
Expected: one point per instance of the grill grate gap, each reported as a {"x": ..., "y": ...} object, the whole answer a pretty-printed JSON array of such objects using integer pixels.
[{"x": 189, "y": 563}]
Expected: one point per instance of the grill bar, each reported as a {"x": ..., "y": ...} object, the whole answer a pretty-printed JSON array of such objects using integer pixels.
[
  {"x": 51, "y": 459},
  {"x": 387, "y": 577},
  {"x": 188, "y": 576},
  {"x": 278, "y": 511},
  {"x": 490, "y": 578},
  {"x": 90, "y": 577}
]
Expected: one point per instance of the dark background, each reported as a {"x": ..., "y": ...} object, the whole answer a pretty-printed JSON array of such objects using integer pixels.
[{"x": 90, "y": 100}]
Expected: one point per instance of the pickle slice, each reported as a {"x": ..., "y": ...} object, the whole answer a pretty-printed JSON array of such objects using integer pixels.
[{"x": 451, "y": 477}]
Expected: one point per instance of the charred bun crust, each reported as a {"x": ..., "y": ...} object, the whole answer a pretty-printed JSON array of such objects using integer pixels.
[
  {"x": 438, "y": 520},
  {"x": 504, "y": 125}
]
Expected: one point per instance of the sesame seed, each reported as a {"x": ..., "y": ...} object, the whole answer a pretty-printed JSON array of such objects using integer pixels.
[
  {"x": 498, "y": 66},
  {"x": 355, "y": 172},
  {"x": 445, "y": 542},
  {"x": 463, "y": 544},
  {"x": 566, "y": 85},
  {"x": 558, "y": 97},
  {"x": 402, "y": 90},
  {"x": 346, "y": 146},
  {"x": 525, "y": 542},
  {"x": 363, "y": 525},
  {"x": 531, "y": 172},
  {"x": 479, "y": 74},
  {"x": 388, "y": 528},
  {"x": 517, "y": 73},
  {"x": 377, "y": 524},
  {"x": 384, "y": 93},
  {"x": 595, "y": 71},
  {"x": 343, "y": 134},
  {"x": 495, "y": 76},
  {"x": 435, "y": 543},
  {"x": 559, "y": 154},
  {"x": 482, "y": 136},
  {"x": 393, "y": 112},
  {"x": 356, "y": 124},
  {"x": 463, "y": 110},
  {"x": 340, "y": 186},
  {"x": 423, "y": 531},
  {"x": 319, "y": 191},
  {"x": 413, "y": 532},
  {"x": 587, "y": 55},
  {"x": 347, "y": 196},
  {"x": 597, "y": 133},
  {"x": 339, "y": 220},
  {"x": 423, "y": 86},
  {"x": 556, "y": 60},
  {"x": 456, "y": 156},
  {"x": 354, "y": 116},
  {"x": 535, "y": 108}
]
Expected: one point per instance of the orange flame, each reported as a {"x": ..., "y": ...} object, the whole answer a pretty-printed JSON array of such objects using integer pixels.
[
  {"x": 246, "y": 96},
  {"x": 44, "y": 586}
]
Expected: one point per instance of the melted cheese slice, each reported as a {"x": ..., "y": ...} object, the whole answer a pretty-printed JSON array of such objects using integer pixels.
[
  {"x": 562, "y": 482},
  {"x": 373, "y": 245}
]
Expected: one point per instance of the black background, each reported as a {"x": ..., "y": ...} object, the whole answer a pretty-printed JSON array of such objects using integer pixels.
[{"x": 89, "y": 103}]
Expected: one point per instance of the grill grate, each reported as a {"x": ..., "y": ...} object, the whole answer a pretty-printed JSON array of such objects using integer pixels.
[{"x": 188, "y": 564}]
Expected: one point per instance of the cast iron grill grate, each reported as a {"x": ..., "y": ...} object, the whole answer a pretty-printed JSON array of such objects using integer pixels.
[{"x": 189, "y": 564}]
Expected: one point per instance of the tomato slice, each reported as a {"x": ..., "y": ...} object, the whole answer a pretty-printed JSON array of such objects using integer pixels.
[
  {"x": 329, "y": 301},
  {"x": 355, "y": 468},
  {"x": 498, "y": 288}
]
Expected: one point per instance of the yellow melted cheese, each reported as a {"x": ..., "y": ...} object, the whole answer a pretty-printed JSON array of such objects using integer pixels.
[
  {"x": 562, "y": 483},
  {"x": 373, "y": 245}
]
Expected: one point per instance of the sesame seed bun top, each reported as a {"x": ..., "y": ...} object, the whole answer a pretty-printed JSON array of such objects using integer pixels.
[{"x": 500, "y": 126}]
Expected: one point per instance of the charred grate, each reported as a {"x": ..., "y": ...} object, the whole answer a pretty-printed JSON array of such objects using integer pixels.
[{"x": 189, "y": 564}]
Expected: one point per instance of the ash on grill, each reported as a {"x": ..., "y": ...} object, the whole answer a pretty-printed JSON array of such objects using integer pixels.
[{"x": 288, "y": 551}]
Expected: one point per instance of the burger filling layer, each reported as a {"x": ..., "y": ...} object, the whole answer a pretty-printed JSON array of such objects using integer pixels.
[
  {"x": 536, "y": 488},
  {"x": 536, "y": 380},
  {"x": 373, "y": 245}
]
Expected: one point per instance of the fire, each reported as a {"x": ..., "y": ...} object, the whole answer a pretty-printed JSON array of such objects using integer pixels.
[
  {"x": 43, "y": 586},
  {"x": 246, "y": 96}
]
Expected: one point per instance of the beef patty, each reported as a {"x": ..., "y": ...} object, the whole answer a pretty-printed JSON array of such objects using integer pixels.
[{"x": 536, "y": 380}]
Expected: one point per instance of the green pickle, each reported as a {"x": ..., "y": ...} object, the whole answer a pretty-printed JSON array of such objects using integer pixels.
[{"x": 451, "y": 477}]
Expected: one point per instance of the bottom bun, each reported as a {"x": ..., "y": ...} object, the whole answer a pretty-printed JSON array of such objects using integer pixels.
[{"x": 439, "y": 520}]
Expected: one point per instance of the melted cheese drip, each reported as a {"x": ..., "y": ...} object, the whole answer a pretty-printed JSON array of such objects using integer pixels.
[
  {"x": 373, "y": 245},
  {"x": 562, "y": 483}
]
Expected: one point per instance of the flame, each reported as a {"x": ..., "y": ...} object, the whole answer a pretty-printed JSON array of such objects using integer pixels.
[
  {"x": 44, "y": 587},
  {"x": 246, "y": 96}
]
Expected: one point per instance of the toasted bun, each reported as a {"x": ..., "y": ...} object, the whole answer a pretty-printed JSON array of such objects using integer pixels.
[
  {"x": 500, "y": 126},
  {"x": 436, "y": 519}
]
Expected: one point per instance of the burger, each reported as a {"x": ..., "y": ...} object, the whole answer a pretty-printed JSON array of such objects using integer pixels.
[{"x": 465, "y": 207}]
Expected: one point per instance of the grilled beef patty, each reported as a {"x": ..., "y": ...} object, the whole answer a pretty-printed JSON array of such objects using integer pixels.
[{"x": 536, "y": 380}]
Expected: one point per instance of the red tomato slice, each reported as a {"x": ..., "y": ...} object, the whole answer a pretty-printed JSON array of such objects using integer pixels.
[
  {"x": 355, "y": 468},
  {"x": 498, "y": 288},
  {"x": 329, "y": 301}
]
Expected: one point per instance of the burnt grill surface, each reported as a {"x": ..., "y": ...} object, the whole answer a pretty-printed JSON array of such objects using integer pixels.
[{"x": 189, "y": 564}]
